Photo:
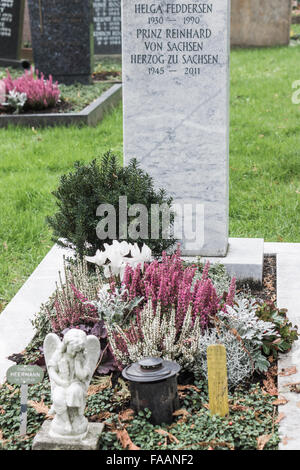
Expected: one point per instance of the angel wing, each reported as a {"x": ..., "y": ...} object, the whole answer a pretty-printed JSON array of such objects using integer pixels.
[
  {"x": 92, "y": 353},
  {"x": 52, "y": 344}
]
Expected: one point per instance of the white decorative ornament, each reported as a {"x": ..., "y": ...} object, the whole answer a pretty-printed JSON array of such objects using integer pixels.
[{"x": 70, "y": 364}]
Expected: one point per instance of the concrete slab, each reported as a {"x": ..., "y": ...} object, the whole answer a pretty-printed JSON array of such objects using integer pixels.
[
  {"x": 43, "y": 440},
  {"x": 16, "y": 330},
  {"x": 244, "y": 258},
  {"x": 271, "y": 248}
]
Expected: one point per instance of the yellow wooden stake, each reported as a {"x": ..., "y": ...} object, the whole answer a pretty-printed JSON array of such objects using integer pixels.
[{"x": 217, "y": 380}]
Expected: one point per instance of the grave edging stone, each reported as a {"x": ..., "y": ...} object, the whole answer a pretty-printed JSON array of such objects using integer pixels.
[{"x": 90, "y": 115}]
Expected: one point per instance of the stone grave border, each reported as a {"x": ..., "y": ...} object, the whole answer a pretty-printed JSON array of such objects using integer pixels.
[
  {"x": 89, "y": 116},
  {"x": 16, "y": 329}
]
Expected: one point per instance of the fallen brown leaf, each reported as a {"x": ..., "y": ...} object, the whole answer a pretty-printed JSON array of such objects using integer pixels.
[
  {"x": 126, "y": 415},
  {"x": 280, "y": 401},
  {"x": 294, "y": 387},
  {"x": 285, "y": 440},
  {"x": 168, "y": 435},
  {"x": 280, "y": 418},
  {"x": 181, "y": 388},
  {"x": 184, "y": 416},
  {"x": 125, "y": 440},
  {"x": 100, "y": 416},
  {"x": 289, "y": 371},
  {"x": 237, "y": 407},
  {"x": 2, "y": 440},
  {"x": 262, "y": 441},
  {"x": 181, "y": 412},
  {"x": 40, "y": 407},
  {"x": 270, "y": 382},
  {"x": 102, "y": 384}
]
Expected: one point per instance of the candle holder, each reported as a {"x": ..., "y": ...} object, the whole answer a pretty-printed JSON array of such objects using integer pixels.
[{"x": 153, "y": 385}]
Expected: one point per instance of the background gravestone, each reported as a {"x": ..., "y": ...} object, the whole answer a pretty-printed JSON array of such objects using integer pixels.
[
  {"x": 11, "y": 30},
  {"x": 107, "y": 26},
  {"x": 176, "y": 107},
  {"x": 260, "y": 22},
  {"x": 26, "y": 28},
  {"x": 62, "y": 39}
]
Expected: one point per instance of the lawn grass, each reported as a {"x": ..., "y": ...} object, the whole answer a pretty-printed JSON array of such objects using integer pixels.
[
  {"x": 265, "y": 145},
  {"x": 264, "y": 164},
  {"x": 31, "y": 162}
]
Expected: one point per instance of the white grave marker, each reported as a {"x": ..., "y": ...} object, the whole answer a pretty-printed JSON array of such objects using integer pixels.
[{"x": 176, "y": 120}]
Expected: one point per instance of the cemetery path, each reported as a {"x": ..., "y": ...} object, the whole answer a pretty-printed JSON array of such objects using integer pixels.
[
  {"x": 16, "y": 329},
  {"x": 288, "y": 290}
]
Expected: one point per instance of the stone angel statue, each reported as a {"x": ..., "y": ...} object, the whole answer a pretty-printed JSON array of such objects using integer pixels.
[{"x": 70, "y": 364}]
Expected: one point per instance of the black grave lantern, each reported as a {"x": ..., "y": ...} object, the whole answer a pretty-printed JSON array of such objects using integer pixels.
[{"x": 153, "y": 385}]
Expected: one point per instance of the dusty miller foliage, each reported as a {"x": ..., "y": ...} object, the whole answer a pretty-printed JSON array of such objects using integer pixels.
[
  {"x": 242, "y": 318},
  {"x": 238, "y": 329},
  {"x": 242, "y": 334},
  {"x": 239, "y": 364},
  {"x": 112, "y": 307}
]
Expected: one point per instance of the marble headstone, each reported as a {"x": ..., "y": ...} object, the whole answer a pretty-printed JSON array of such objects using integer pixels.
[
  {"x": 107, "y": 26},
  {"x": 176, "y": 110},
  {"x": 62, "y": 39},
  {"x": 11, "y": 29}
]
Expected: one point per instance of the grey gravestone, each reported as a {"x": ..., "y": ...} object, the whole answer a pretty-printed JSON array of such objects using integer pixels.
[
  {"x": 176, "y": 102},
  {"x": 11, "y": 30},
  {"x": 107, "y": 26},
  {"x": 62, "y": 39}
]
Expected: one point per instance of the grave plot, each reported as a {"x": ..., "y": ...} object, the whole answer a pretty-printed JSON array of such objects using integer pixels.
[
  {"x": 27, "y": 100},
  {"x": 169, "y": 309}
]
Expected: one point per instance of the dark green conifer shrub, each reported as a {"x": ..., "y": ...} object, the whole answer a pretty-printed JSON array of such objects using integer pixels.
[{"x": 103, "y": 181}]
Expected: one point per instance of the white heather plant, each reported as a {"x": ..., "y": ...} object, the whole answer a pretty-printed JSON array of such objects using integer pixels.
[
  {"x": 111, "y": 306},
  {"x": 158, "y": 338}
]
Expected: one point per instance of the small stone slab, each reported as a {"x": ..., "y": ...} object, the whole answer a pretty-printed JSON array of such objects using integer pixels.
[
  {"x": 43, "y": 441},
  {"x": 244, "y": 259}
]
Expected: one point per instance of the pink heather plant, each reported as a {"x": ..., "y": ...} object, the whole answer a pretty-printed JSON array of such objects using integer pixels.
[
  {"x": 41, "y": 93},
  {"x": 2, "y": 92},
  {"x": 170, "y": 283},
  {"x": 68, "y": 312}
]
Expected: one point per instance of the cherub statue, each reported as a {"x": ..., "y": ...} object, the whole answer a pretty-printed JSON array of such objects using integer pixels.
[{"x": 71, "y": 364}]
